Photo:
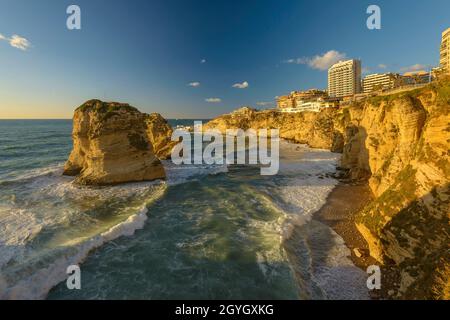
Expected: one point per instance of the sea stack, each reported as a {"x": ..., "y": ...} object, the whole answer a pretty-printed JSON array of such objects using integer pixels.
[{"x": 111, "y": 146}]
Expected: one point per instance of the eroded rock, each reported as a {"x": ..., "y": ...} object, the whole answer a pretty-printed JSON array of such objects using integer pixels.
[{"x": 110, "y": 146}]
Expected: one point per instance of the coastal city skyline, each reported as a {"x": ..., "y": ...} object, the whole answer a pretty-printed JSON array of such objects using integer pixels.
[
  {"x": 198, "y": 72},
  {"x": 347, "y": 85}
]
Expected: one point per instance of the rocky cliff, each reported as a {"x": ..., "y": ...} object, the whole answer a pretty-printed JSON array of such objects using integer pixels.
[
  {"x": 159, "y": 133},
  {"x": 111, "y": 145},
  {"x": 319, "y": 130},
  {"x": 400, "y": 143}
]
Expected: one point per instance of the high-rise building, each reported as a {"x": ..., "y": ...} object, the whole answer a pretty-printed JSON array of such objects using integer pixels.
[
  {"x": 344, "y": 78},
  {"x": 445, "y": 51},
  {"x": 376, "y": 81}
]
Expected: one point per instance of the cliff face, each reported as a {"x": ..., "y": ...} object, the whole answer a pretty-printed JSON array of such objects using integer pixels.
[
  {"x": 159, "y": 133},
  {"x": 401, "y": 144},
  {"x": 319, "y": 130},
  {"x": 110, "y": 146}
]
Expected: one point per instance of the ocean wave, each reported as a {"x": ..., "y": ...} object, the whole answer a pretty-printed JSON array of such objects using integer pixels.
[
  {"x": 320, "y": 260},
  {"x": 44, "y": 204},
  {"x": 34, "y": 174},
  {"x": 37, "y": 285},
  {"x": 319, "y": 256},
  {"x": 178, "y": 174},
  {"x": 305, "y": 184},
  {"x": 301, "y": 189}
]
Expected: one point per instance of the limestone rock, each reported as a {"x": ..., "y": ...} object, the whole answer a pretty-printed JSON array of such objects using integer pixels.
[
  {"x": 401, "y": 143},
  {"x": 314, "y": 129},
  {"x": 159, "y": 133},
  {"x": 358, "y": 252},
  {"x": 110, "y": 146}
]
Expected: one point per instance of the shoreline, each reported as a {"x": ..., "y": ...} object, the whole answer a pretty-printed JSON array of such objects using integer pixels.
[{"x": 339, "y": 212}]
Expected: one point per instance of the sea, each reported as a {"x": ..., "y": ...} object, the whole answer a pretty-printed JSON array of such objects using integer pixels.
[{"x": 206, "y": 232}]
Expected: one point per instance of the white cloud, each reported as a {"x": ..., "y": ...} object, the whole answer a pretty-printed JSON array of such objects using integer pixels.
[
  {"x": 320, "y": 62},
  {"x": 203, "y": 61},
  {"x": 296, "y": 61},
  {"x": 17, "y": 42},
  {"x": 213, "y": 100},
  {"x": 242, "y": 85},
  {"x": 415, "y": 67},
  {"x": 382, "y": 66},
  {"x": 264, "y": 103},
  {"x": 194, "y": 84}
]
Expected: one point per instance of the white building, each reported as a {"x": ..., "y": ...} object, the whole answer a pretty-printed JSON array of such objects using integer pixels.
[
  {"x": 378, "y": 81},
  {"x": 445, "y": 51},
  {"x": 311, "y": 105},
  {"x": 344, "y": 78}
]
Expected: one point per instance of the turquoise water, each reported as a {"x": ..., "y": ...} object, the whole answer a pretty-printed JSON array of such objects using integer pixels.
[{"x": 208, "y": 232}]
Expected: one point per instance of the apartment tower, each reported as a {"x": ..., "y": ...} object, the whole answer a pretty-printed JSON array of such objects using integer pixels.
[
  {"x": 445, "y": 50},
  {"x": 344, "y": 78}
]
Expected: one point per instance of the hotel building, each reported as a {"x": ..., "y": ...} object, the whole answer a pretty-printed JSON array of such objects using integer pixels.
[
  {"x": 445, "y": 51},
  {"x": 300, "y": 101},
  {"x": 344, "y": 78},
  {"x": 377, "y": 81}
]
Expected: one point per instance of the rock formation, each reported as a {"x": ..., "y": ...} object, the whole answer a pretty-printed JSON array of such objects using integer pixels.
[
  {"x": 404, "y": 142},
  {"x": 110, "y": 146},
  {"x": 401, "y": 144},
  {"x": 316, "y": 129},
  {"x": 159, "y": 133}
]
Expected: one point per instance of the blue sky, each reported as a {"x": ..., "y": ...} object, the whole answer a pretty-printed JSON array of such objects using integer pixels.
[{"x": 147, "y": 53}]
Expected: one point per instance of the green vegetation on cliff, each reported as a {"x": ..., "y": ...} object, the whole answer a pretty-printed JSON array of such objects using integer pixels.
[
  {"x": 106, "y": 109},
  {"x": 410, "y": 214}
]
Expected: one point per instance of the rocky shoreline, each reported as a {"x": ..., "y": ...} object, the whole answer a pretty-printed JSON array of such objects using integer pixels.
[
  {"x": 340, "y": 211},
  {"x": 394, "y": 148},
  {"x": 399, "y": 146}
]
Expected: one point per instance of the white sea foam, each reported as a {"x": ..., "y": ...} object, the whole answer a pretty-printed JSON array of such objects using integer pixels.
[
  {"x": 39, "y": 192},
  {"x": 178, "y": 174},
  {"x": 305, "y": 186},
  {"x": 338, "y": 277},
  {"x": 37, "y": 285},
  {"x": 302, "y": 191},
  {"x": 43, "y": 206},
  {"x": 306, "y": 183}
]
